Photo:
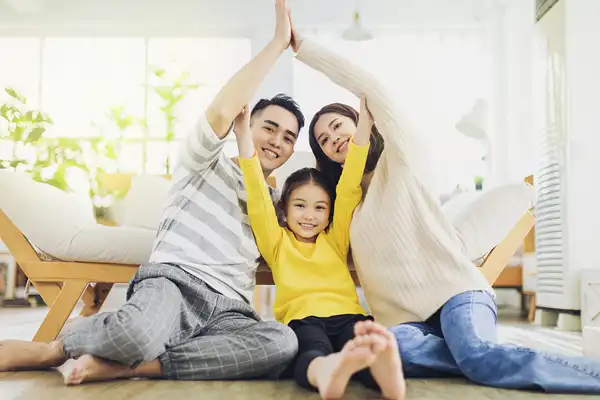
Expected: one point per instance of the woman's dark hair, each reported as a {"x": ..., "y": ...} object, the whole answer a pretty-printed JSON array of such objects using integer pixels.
[
  {"x": 330, "y": 168},
  {"x": 302, "y": 177}
]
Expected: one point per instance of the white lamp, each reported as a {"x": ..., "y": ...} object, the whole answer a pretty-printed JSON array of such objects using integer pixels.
[
  {"x": 473, "y": 123},
  {"x": 356, "y": 32}
]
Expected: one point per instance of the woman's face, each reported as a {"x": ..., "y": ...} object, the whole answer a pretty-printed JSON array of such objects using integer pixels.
[{"x": 333, "y": 133}]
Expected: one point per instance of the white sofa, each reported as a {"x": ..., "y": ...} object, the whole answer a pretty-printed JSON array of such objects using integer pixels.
[{"x": 62, "y": 226}]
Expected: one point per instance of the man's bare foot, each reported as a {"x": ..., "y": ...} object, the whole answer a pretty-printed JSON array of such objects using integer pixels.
[
  {"x": 387, "y": 367},
  {"x": 17, "y": 355},
  {"x": 331, "y": 374},
  {"x": 88, "y": 368}
]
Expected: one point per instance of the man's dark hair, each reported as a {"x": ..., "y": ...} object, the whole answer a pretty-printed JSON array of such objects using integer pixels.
[{"x": 283, "y": 101}]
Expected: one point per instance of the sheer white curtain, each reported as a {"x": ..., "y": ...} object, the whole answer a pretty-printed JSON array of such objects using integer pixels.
[{"x": 435, "y": 76}]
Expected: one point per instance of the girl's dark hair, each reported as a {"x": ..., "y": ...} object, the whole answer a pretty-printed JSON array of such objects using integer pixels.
[
  {"x": 330, "y": 168},
  {"x": 302, "y": 177}
]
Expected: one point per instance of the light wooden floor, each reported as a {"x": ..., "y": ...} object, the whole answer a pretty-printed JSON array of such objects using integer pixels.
[{"x": 21, "y": 324}]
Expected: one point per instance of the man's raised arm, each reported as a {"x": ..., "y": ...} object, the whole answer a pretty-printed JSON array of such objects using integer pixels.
[{"x": 240, "y": 89}]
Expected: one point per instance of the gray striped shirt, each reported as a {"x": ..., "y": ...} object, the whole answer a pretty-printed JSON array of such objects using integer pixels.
[{"x": 205, "y": 227}]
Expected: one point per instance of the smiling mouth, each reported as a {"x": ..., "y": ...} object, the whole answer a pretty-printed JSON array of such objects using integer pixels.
[
  {"x": 308, "y": 226},
  {"x": 270, "y": 154},
  {"x": 343, "y": 146}
]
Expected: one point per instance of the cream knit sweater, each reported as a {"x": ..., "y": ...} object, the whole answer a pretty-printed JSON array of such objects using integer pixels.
[{"x": 408, "y": 256}]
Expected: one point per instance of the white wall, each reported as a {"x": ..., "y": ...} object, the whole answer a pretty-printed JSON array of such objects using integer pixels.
[
  {"x": 583, "y": 125},
  {"x": 512, "y": 124}
]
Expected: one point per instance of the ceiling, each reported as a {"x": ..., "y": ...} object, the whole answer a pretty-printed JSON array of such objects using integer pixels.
[{"x": 18, "y": 17}]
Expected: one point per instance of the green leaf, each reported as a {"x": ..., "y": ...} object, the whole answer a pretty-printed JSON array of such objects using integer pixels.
[
  {"x": 17, "y": 133},
  {"x": 15, "y": 95},
  {"x": 58, "y": 182},
  {"x": 15, "y": 163},
  {"x": 165, "y": 92},
  {"x": 178, "y": 98},
  {"x": 9, "y": 112},
  {"x": 42, "y": 117},
  {"x": 29, "y": 116},
  {"x": 35, "y": 135},
  {"x": 4, "y": 109},
  {"x": 159, "y": 72}
]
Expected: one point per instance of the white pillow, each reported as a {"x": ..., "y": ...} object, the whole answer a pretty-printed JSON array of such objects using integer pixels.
[
  {"x": 48, "y": 217},
  {"x": 483, "y": 220},
  {"x": 107, "y": 244},
  {"x": 145, "y": 201}
]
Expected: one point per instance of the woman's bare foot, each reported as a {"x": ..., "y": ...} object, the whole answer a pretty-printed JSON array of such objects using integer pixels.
[
  {"x": 331, "y": 374},
  {"x": 16, "y": 355},
  {"x": 387, "y": 367},
  {"x": 88, "y": 368}
]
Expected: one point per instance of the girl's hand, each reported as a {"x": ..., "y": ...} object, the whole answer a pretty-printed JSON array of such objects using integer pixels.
[
  {"x": 243, "y": 134},
  {"x": 365, "y": 124},
  {"x": 241, "y": 124}
]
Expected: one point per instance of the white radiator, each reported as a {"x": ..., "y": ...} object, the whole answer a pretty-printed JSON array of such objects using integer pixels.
[{"x": 557, "y": 279}]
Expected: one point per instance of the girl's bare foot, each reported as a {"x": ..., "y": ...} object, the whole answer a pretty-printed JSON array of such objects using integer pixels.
[
  {"x": 387, "y": 367},
  {"x": 331, "y": 374},
  {"x": 88, "y": 368},
  {"x": 16, "y": 355}
]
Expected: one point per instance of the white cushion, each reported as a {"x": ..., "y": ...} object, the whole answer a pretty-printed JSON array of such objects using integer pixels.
[
  {"x": 145, "y": 201},
  {"x": 107, "y": 244},
  {"x": 46, "y": 215},
  {"x": 62, "y": 224},
  {"x": 483, "y": 220}
]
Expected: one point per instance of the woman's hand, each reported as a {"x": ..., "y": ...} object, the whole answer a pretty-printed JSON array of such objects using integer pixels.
[
  {"x": 243, "y": 134},
  {"x": 283, "y": 25},
  {"x": 296, "y": 40},
  {"x": 365, "y": 124}
]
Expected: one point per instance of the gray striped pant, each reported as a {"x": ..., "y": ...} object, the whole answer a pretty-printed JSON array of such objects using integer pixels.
[{"x": 195, "y": 332}]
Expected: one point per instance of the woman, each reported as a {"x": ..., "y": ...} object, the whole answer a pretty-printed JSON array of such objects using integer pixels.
[{"x": 411, "y": 261}]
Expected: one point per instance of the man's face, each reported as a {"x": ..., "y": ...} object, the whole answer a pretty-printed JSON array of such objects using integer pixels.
[{"x": 275, "y": 131}]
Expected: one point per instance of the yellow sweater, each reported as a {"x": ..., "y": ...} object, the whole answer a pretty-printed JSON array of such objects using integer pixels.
[{"x": 312, "y": 279}]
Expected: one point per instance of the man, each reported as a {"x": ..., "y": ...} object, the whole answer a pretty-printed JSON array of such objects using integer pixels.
[{"x": 188, "y": 314}]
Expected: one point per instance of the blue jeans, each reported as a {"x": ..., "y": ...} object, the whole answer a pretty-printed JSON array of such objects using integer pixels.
[{"x": 460, "y": 340}]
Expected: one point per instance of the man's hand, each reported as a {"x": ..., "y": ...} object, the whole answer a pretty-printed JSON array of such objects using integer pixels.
[
  {"x": 283, "y": 26},
  {"x": 365, "y": 124},
  {"x": 240, "y": 89},
  {"x": 243, "y": 134}
]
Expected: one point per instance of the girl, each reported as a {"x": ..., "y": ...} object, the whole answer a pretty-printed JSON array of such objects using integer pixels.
[
  {"x": 417, "y": 277},
  {"x": 316, "y": 295}
]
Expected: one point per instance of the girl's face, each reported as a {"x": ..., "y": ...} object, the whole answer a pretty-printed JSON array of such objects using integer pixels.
[
  {"x": 307, "y": 212},
  {"x": 333, "y": 133}
]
